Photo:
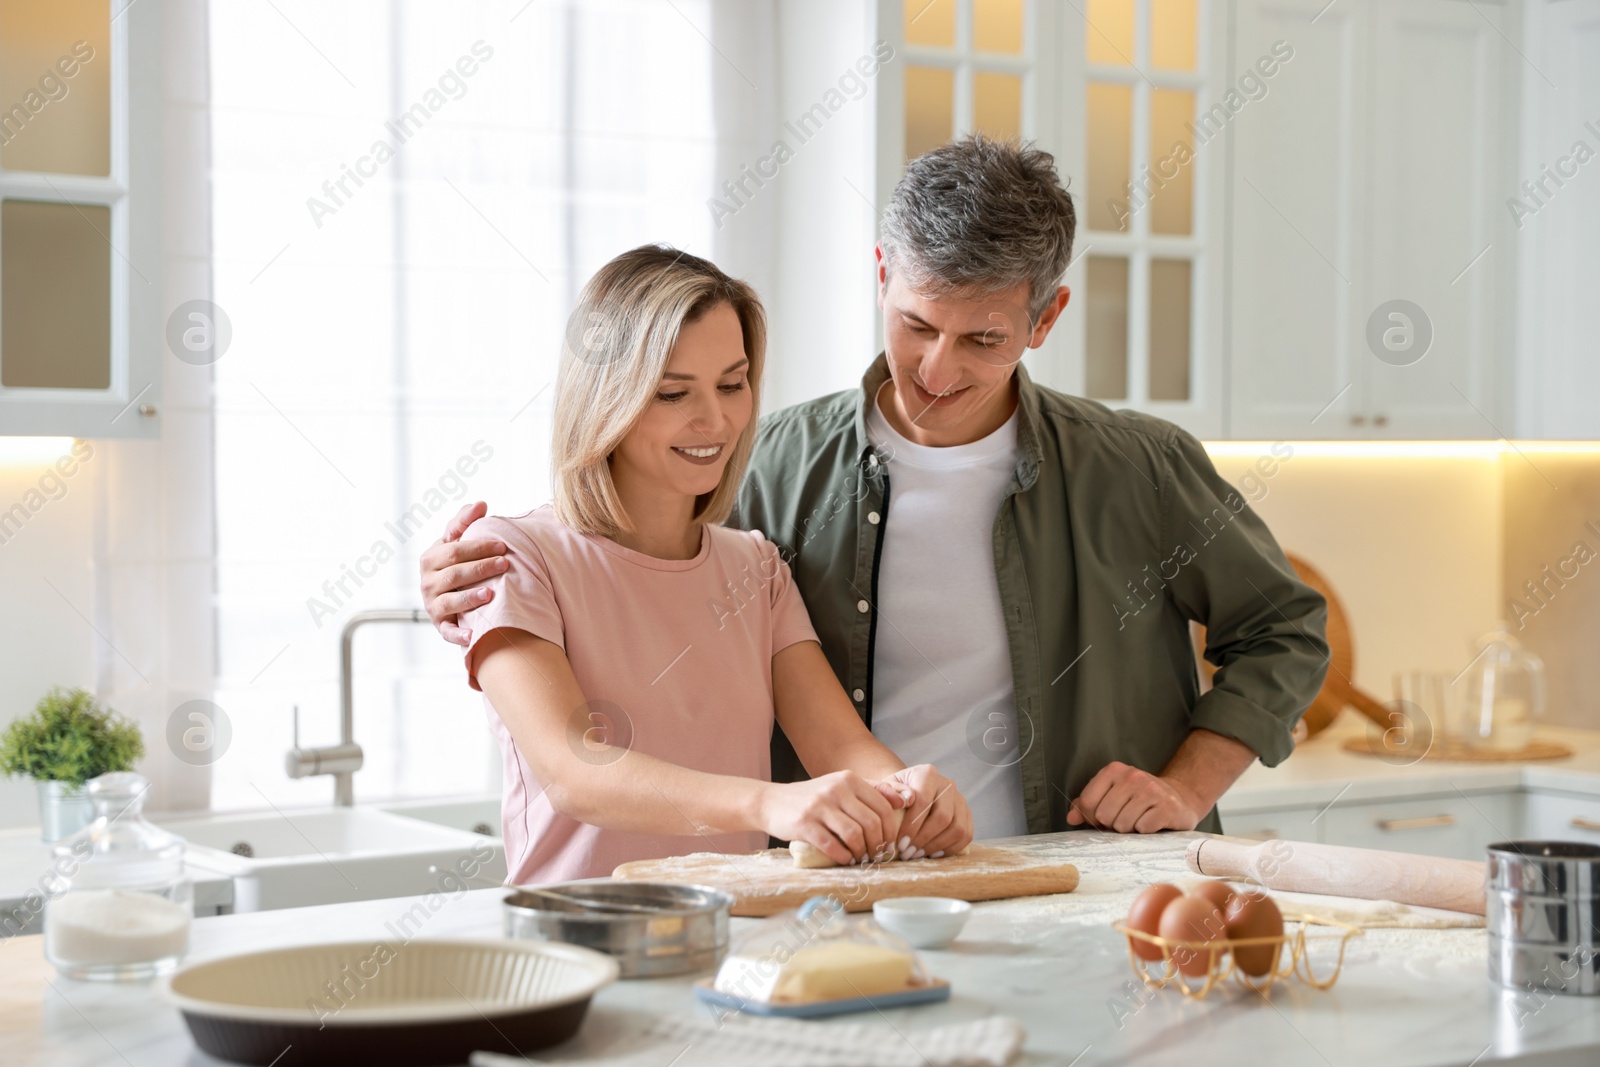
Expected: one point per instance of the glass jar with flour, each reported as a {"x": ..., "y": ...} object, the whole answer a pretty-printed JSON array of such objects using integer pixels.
[{"x": 125, "y": 911}]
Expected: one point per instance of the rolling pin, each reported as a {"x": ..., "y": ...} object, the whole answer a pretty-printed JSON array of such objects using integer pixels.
[{"x": 1335, "y": 870}]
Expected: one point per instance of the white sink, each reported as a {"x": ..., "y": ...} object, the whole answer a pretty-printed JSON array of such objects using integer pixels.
[
  {"x": 330, "y": 856},
  {"x": 478, "y": 815}
]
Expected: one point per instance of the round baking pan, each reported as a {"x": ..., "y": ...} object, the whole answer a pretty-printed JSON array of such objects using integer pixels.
[
  {"x": 399, "y": 1004},
  {"x": 651, "y": 929}
]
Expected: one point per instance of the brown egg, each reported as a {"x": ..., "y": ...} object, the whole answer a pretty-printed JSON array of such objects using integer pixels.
[
  {"x": 1219, "y": 893},
  {"x": 1255, "y": 915},
  {"x": 1145, "y": 916},
  {"x": 1191, "y": 918}
]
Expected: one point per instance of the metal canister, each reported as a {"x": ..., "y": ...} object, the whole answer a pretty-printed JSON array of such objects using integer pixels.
[
  {"x": 653, "y": 929},
  {"x": 1543, "y": 915}
]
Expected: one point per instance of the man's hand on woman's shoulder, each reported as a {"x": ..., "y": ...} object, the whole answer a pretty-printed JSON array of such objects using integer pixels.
[{"x": 451, "y": 565}]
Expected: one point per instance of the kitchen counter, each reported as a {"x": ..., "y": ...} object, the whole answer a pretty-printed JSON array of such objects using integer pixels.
[
  {"x": 1320, "y": 771},
  {"x": 1406, "y": 998}
]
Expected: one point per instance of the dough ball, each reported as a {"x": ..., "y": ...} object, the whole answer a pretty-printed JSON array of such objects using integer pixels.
[{"x": 806, "y": 855}]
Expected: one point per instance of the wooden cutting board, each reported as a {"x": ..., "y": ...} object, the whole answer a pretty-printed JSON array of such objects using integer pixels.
[
  {"x": 24, "y": 988},
  {"x": 765, "y": 883},
  {"x": 1338, "y": 691}
]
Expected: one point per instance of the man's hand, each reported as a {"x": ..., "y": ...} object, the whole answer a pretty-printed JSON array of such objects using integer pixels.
[
  {"x": 451, "y": 564},
  {"x": 1126, "y": 799},
  {"x": 938, "y": 820}
]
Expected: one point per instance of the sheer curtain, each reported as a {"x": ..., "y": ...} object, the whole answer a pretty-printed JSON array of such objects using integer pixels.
[{"x": 406, "y": 197}]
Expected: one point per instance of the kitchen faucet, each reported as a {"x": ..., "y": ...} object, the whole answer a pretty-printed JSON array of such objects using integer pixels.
[{"x": 344, "y": 759}]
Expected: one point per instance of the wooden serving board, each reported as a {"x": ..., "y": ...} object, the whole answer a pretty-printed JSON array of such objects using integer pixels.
[
  {"x": 1537, "y": 749},
  {"x": 765, "y": 883}
]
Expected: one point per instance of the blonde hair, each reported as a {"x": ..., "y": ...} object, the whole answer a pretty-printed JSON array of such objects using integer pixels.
[{"x": 619, "y": 339}]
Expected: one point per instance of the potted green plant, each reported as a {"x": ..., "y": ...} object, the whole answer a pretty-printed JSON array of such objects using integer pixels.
[{"x": 69, "y": 739}]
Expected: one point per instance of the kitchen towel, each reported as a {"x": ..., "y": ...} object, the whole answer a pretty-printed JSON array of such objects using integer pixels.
[{"x": 741, "y": 1041}]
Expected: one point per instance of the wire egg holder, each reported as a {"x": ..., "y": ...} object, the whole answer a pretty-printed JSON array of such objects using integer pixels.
[{"x": 1221, "y": 962}]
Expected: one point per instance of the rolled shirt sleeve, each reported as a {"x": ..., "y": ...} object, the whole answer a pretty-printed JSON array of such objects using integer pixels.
[{"x": 1264, "y": 626}]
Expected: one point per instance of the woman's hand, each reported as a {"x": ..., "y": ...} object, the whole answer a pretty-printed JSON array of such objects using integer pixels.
[
  {"x": 938, "y": 821},
  {"x": 842, "y": 813}
]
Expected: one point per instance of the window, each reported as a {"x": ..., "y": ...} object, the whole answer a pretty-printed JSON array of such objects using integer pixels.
[{"x": 397, "y": 316}]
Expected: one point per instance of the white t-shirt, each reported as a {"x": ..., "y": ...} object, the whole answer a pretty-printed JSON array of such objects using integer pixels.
[{"x": 941, "y": 676}]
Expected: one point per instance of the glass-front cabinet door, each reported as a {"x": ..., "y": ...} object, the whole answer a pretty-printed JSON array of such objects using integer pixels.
[
  {"x": 1267, "y": 244},
  {"x": 1114, "y": 90},
  {"x": 79, "y": 219}
]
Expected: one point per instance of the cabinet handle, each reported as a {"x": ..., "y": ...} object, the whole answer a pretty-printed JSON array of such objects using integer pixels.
[
  {"x": 1272, "y": 835},
  {"x": 1358, "y": 420},
  {"x": 1421, "y": 823},
  {"x": 1380, "y": 420},
  {"x": 1581, "y": 823}
]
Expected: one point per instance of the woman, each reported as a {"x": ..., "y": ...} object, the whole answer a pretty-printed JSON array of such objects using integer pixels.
[{"x": 633, "y": 652}]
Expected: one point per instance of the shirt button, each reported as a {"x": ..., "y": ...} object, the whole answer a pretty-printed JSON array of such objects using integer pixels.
[
  {"x": 862, "y": 606},
  {"x": 859, "y": 695},
  {"x": 872, "y": 517}
]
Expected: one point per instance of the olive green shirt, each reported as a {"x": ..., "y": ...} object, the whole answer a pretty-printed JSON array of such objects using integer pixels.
[{"x": 1116, "y": 531}]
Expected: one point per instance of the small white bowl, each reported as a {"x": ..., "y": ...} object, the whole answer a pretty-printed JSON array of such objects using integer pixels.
[{"x": 926, "y": 922}]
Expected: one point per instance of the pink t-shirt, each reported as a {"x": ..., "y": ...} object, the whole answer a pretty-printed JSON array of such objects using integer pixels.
[{"x": 674, "y": 658}]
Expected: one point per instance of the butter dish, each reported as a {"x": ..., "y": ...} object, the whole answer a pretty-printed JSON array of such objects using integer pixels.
[{"x": 819, "y": 960}]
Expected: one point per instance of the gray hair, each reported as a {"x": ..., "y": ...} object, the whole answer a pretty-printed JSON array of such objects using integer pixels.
[{"x": 978, "y": 215}]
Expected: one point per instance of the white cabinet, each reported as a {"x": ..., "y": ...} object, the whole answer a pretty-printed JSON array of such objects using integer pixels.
[
  {"x": 81, "y": 325},
  {"x": 1552, "y": 816},
  {"x": 1283, "y": 824},
  {"x": 1457, "y": 826},
  {"x": 1367, "y": 173},
  {"x": 1554, "y": 209},
  {"x": 1296, "y": 156},
  {"x": 1353, "y": 270},
  {"x": 1440, "y": 150}
]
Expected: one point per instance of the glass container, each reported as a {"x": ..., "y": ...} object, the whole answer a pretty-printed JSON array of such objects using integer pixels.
[
  {"x": 1504, "y": 693},
  {"x": 122, "y": 905}
]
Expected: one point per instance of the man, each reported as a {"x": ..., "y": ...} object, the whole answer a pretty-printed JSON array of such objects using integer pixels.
[{"x": 1003, "y": 576}]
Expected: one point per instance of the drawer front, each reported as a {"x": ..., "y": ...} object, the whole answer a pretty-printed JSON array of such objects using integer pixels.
[
  {"x": 1290, "y": 824},
  {"x": 1562, "y": 817},
  {"x": 1454, "y": 826}
]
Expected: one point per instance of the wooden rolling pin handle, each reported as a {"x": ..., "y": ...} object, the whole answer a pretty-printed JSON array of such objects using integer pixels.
[
  {"x": 1335, "y": 870},
  {"x": 1364, "y": 703}
]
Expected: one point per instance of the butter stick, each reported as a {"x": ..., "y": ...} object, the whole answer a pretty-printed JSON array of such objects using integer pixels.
[{"x": 844, "y": 969}]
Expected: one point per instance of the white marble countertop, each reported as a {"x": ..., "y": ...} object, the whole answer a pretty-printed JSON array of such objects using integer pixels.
[
  {"x": 1321, "y": 769},
  {"x": 1406, "y": 998}
]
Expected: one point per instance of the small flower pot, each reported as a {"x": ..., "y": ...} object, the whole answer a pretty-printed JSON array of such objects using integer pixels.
[{"x": 63, "y": 810}]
